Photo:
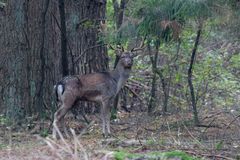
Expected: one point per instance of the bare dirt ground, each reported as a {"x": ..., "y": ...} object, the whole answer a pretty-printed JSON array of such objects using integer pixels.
[{"x": 133, "y": 133}]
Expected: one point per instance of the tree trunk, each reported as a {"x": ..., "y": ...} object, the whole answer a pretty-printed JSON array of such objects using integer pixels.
[
  {"x": 29, "y": 43},
  {"x": 118, "y": 15},
  {"x": 165, "y": 90},
  {"x": 119, "y": 12},
  {"x": 152, "y": 101},
  {"x": 191, "y": 87},
  {"x": 13, "y": 47},
  {"x": 41, "y": 89},
  {"x": 63, "y": 38}
]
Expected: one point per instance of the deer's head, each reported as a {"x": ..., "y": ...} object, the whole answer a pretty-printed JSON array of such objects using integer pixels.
[{"x": 126, "y": 59}]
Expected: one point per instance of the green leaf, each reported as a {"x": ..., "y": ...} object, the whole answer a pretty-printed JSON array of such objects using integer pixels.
[{"x": 219, "y": 145}]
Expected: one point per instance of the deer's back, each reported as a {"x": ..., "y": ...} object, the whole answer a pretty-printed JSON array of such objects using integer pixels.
[
  {"x": 96, "y": 79},
  {"x": 91, "y": 87}
]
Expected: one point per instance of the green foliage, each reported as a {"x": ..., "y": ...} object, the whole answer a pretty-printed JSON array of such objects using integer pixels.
[
  {"x": 88, "y": 24},
  {"x": 110, "y": 13},
  {"x": 122, "y": 155},
  {"x": 234, "y": 63},
  {"x": 215, "y": 78},
  {"x": 158, "y": 17},
  {"x": 209, "y": 71},
  {"x": 219, "y": 145},
  {"x": 114, "y": 36},
  {"x": 4, "y": 120},
  {"x": 199, "y": 8},
  {"x": 113, "y": 114},
  {"x": 44, "y": 132},
  {"x": 2, "y": 146},
  {"x": 150, "y": 141}
]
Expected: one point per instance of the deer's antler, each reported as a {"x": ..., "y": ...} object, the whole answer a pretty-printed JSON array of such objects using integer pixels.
[
  {"x": 141, "y": 47},
  {"x": 119, "y": 49}
]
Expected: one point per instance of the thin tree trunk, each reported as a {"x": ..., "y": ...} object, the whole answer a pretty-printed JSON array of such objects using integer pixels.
[
  {"x": 152, "y": 101},
  {"x": 118, "y": 14},
  {"x": 43, "y": 61},
  {"x": 165, "y": 91},
  {"x": 28, "y": 110},
  {"x": 191, "y": 87},
  {"x": 63, "y": 38}
]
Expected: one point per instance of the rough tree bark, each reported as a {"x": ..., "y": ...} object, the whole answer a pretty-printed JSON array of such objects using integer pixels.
[
  {"x": 30, "y": 50},
  {"x": 41, "y": 89},
  {"x": 13, "y": 47},
  {"x": 63, "y": 38}
]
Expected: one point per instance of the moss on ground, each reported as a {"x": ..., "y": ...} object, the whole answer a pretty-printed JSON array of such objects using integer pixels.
[{"x": 123, "y": 155}]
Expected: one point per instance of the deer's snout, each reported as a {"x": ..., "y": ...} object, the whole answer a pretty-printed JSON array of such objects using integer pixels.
[{"x": 129, "y": 62}]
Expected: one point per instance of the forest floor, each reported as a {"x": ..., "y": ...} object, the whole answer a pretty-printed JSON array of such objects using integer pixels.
[{"x": 135, "y": 136}]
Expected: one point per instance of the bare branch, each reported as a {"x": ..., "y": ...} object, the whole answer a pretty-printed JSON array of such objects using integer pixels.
[{"x": 77, "y": 59}]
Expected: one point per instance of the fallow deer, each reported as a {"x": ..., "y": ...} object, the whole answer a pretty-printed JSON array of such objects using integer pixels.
[{"x": 96, "y": 87}]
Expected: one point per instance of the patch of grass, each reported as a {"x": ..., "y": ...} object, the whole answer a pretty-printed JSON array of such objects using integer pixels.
[
  {"x": 122, "y": 155},
  {"x": 219, "y": 146},
  {"x": 44, "y": 132},
  {"x": 4, "y": 120},
  {"x": 179, "y": 154},
  {"x": 151, "y": 141},
  {"x": 2, "y": 146}
]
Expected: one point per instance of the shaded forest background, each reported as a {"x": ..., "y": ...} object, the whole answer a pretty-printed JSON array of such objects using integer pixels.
[
  {"x": 46, "y": 40},
  {"x": 32, "y": 58},
  {"x": 190, "y": 64}
]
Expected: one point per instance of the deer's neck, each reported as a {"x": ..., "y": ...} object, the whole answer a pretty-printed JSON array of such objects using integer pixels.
[{"x": 120, "y": 75}]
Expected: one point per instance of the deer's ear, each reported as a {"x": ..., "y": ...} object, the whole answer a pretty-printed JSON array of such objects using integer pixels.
[{"x": 119, "y": 53}]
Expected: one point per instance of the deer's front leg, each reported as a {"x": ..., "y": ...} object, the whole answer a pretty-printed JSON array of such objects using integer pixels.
[
  {"x": 109, "y": 107},
  {"x": 105, "y": 115}
]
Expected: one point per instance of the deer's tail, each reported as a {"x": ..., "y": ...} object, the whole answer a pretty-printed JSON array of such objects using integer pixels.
[{"x": 59, "y": 90}]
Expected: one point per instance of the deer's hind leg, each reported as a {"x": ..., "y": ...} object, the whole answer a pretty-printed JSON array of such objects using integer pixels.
[
  {"x": 60, "y": 113},
  {"x": 58, "y": 118}
]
